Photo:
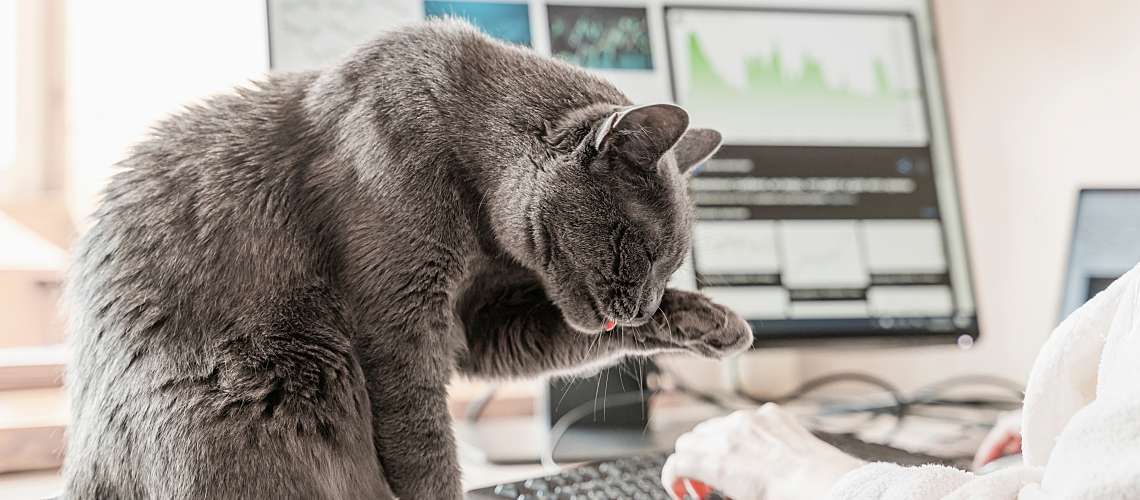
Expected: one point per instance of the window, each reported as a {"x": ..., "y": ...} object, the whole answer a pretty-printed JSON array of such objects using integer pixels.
[
  {"x": 7, "y": 88},
  {"x": 33, "y": 219}
]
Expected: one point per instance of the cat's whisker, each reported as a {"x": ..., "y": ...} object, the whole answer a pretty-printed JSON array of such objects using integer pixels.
[
  {"x": 566, "y": 390},
  {"x": 668, "y": 323},
  {"x": 622, "y": 369},
  {"x": 640, "y": 386},
  {"x": 605, "y": 393},
  {"x": 597, "y": 388}
]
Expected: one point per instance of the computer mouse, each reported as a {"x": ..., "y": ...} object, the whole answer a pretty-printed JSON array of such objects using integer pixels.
[{"x": 691, "y": 489}]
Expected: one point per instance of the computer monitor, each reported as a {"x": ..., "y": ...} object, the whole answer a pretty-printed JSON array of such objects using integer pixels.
[
  {"x": 831, "y": 213},
  {"x": 1105, "y": 243}
]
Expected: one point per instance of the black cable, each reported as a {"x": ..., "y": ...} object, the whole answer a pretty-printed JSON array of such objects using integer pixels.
[
  {"x": 835, "y": 378},
  {"x": 680, "y": 387},
  {"x": 1007, "y": 385},
  {"x": 911, "y": 406},
  {"x": 897, "y": 409},
  {"x": 900, "y": 405},
  {"x": 568, "y": 419},
  {"x": 979, "y": 403}
]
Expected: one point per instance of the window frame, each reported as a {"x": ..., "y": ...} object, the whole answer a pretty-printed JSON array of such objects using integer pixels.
[
  {"x": 39, "y": 163},
  {"x": 32, "y": 188}
]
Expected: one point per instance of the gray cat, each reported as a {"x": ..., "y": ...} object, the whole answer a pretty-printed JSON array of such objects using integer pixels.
[{"x": 280, "y": 282}]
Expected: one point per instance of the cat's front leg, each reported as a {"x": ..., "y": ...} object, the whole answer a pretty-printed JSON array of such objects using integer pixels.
[
  {"x": 519, "y": 332},
  {"x": 406, "y": 376},
  {"x": 692, "y": 322}
]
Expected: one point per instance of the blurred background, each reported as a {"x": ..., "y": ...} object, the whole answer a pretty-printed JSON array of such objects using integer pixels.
[{"x": 1041, "y": 96}]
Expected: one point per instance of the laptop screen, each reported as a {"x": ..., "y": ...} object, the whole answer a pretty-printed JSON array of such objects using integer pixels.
[{"x": 1105, "y": 243}]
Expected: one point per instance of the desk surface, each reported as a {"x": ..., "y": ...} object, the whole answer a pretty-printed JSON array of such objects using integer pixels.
[
  {"x": 948, "y": 434},
  {"x": 952, "y": 434}
]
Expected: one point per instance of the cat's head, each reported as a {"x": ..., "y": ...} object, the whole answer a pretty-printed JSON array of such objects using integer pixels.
[{"x": 610, "y": 217}]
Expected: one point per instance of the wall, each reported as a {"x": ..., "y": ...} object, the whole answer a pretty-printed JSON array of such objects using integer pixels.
[
  {"x": 134, "y": 61},
  {"x": 1043, "y": 98},
  {"x": 32, "y": 186}
]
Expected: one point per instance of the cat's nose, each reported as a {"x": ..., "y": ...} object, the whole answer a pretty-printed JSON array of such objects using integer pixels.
[{"x": 648, "y": 309}]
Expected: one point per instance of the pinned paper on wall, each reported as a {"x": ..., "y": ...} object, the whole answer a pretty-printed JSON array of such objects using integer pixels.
[
  {"x": 311, "y": 34},
  {"x": 509, "y": 22}
]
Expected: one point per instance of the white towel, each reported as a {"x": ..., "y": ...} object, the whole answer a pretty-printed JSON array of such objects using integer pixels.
[{"x": 1080, "y": 424}]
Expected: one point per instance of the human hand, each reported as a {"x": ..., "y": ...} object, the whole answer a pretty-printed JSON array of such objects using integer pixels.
[
  {"x": 762, "y": 454},
  {"x": 1004, "y": 439}
]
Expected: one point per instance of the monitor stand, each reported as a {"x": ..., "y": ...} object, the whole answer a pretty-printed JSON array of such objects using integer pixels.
[{"x": 617, "y": 425}]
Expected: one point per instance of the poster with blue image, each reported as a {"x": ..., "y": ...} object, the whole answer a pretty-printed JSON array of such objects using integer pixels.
[{"x": 509, "y": 22}]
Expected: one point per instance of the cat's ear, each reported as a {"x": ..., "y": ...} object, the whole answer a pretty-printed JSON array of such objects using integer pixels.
[
  {"x": 642, "y": 134},
  {"x": 696, "y": 147}
]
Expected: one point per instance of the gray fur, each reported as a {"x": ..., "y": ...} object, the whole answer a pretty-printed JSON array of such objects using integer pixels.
[{"x": 281, "y": 281}]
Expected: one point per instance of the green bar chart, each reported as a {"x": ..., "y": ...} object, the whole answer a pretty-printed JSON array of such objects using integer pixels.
[{"x": 763, "y": 78}]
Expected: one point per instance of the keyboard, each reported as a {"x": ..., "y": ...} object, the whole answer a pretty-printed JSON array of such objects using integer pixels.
[{"x": 639, "y": 477}]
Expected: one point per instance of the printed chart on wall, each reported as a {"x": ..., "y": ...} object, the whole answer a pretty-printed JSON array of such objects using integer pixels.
[
  {"x": 613, "y": 41},
  {"x": 311, "y": 34},
  {"x": 782, "y": 77},
  {"x": 601, "y": 37},
  {"x": 507, "y": 21}
]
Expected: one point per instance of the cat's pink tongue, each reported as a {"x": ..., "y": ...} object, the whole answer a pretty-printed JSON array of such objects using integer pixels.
[{"x": 610, "y": 324}]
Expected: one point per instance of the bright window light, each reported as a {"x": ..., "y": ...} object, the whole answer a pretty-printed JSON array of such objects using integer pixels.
[{"x": 7, "y": 84}]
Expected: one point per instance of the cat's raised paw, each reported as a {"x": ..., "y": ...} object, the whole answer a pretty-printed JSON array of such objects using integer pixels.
[{"x": 699, "y": 325}]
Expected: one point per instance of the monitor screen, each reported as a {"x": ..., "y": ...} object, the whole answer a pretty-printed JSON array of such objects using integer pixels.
[
  {"x": 799, "y": 78},
  {"x": 1105, "y": 243},
  {"x": 825, "y": 213}
]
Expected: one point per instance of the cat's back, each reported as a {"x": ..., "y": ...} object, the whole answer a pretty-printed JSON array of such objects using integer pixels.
[
  {"x": 443, "y": 78},
  {"x": 202, "y": 208},
  {"x": 213, "y": 152},
  {"x": 198, "y": 306}
]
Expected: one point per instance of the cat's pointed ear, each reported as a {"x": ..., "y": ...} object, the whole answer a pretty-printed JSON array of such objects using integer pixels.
[
  {"x": 642, "y": 134},
  {"x": 695, "y": 148}
]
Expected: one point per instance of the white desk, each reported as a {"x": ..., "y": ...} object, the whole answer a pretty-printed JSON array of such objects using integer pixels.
[
  {"x": 955, "y": 435},
  {"x": 921, "y": 434}
]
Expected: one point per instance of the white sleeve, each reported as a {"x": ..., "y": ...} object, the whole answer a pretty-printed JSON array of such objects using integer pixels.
[
  {"x": 886, "y": 481},
  {"x": 1081, "y": 423},
  {"x": 1097, "y": 454},
  {"x": 1064, "y": 376}
]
